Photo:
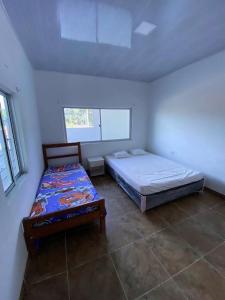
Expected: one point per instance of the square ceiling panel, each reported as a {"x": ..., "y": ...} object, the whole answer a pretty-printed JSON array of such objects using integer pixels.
[
  {"x": 145, "y": 28},
  {"x": 77, "y": 20}
]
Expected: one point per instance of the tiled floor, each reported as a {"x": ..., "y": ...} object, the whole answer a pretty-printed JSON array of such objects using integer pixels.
[{"x": 176, "y": 251}]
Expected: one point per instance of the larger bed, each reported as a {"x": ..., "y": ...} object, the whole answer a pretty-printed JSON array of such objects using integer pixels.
[{"x": 151, "y": 180}]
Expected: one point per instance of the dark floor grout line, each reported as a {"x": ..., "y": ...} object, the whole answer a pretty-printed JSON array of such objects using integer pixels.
[
  {"x": 67, "y": 270},
  {"x": 142, "y": 237},
  {"x": 110, "y": 257},
  {"x": 112, "y": 218},
  {"x": 188, "y": 217},
  {"x": 159, "y": 285},
  {"x": 216, "y": 206},
  {"x": 213, "y": 267},
  {"x": 152, "y": 289},
  {"x": 182, "y": 238},
  {"x": 219, "y": 213},
  {"x": 89, "y": 261},
  {"x": 127, "y": 245},
  {"x": 47, "y": 277},
  {"x": 86, "y": 262},
  {"x": 180, "y": 289},
  {"x": 193, "y": 214},
  {"x": 212, "y": 250},
  {"x": 146, "y": 236},
  {"x": 197, "y": 260},
  {"x": 205, "y": 206},
  {"x": 162, "y": 266},
  {"x": 175, "y": 223},
  {"x": 196, "y": 251},
  {"x": 115, "y": 250},
  {"x": 171, "y": 277},
  {"x": 216, "y": 233},
  {"x": 104, "y": 254},
  {"x": 118, "y": 276},
  {"x": 172, "y": 227}
]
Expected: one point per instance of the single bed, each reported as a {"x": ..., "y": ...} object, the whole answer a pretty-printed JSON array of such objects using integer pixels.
[
  {"x": 65, "y": 198},
  {"x": 151, "y": 180}
]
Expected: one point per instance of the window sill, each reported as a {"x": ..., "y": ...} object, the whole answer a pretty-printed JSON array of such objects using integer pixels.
[
  {"x": 106, "y": 141},
  {"x": 19, "y": 182}
]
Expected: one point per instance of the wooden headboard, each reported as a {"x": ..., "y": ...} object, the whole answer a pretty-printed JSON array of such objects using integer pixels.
[{"x": 77, "y": 151}]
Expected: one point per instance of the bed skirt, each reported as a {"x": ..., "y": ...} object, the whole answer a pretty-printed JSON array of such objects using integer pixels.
[{"x": 145, "y": 202}]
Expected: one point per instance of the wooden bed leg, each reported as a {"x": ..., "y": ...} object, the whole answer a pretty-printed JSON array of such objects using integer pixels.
[
  {"x": 102, "y": 216},
  {"x": 31, "y": 245},
  {"x": 102, "y": 224}
]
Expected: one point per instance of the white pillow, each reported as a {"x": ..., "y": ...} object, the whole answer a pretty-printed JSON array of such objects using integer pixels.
[
  {"x": 138, "y": 152},
  {"x": 121, "y": 154}
]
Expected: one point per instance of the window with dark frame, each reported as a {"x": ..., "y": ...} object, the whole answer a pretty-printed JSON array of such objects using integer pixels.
[
  {"x": 10, "y": 167},
  {"x": 97, "y": 124}
]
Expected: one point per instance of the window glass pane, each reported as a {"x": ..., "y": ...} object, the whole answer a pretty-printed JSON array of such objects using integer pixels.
[
  {"x": 115, "y": 124},
  {"x": 4, "y": 165},
  {"x": 9, "y": 135},
  {"x": 82, "y": 124}
]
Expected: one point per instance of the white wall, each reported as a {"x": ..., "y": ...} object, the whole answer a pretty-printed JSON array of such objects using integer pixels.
[
  {"x": 55, "y": 90},
  {"x": 16, "y": 72},
  {"x": 187, "y": 118}
]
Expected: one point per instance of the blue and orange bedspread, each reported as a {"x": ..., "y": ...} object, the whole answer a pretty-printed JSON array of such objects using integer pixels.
[{"x": 62, "y": 188}]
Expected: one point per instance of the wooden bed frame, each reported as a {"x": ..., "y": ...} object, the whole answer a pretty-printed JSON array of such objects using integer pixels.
[{"x": 32, "y": 234}]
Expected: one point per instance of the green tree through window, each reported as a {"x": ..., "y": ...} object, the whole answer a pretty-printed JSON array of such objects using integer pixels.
[{"x": 79, "y": 118}]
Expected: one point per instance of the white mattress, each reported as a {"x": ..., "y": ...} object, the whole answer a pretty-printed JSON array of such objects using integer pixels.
[{"x": 150, "y": 173}]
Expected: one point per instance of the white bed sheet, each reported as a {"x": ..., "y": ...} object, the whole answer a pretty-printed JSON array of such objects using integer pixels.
[{"x": 150, "y": 173}]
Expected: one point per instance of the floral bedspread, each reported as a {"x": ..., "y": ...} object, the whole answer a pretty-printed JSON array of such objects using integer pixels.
[{"x": 62, "y": 188}]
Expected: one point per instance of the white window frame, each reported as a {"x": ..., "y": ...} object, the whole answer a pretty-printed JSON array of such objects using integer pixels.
[
  {"x": 99, "y": 108},
  {"x": 8, "y": 98}
]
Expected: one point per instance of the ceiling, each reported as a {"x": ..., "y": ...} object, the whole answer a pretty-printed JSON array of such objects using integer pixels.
[{"x": 97, "y": 37}]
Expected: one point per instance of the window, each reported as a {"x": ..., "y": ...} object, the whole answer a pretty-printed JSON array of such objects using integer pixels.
[
  {"x": 9, "y": 159},
  {"x": 87, "y": 124}
]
